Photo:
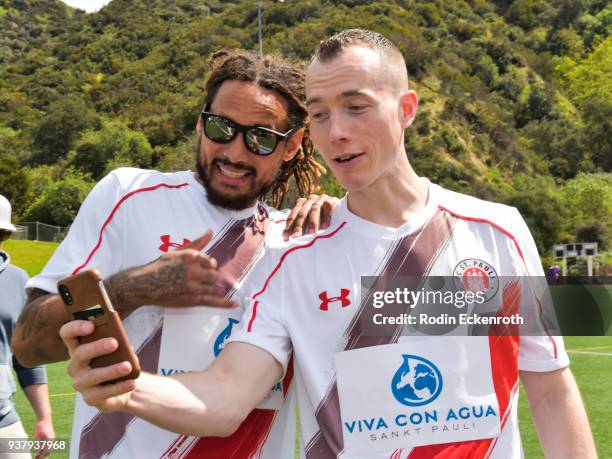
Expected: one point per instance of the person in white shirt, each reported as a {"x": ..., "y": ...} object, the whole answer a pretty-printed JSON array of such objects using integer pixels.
[
  {"x": 174, "y": 248},
  {"x": 362, "y": 394}
]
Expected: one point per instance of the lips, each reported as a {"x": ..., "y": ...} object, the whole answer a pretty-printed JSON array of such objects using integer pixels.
[
  {"x": 232, "y": 172},
  {"x": 347, "y": 158}
]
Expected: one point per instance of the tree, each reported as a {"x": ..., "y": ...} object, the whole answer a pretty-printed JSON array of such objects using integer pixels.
[
  {"x": 112, "y": 146},
  {"x": 588, "y": 198},
  {"x": 57, "y": 131},
  {"x": 60, "y": 202}
]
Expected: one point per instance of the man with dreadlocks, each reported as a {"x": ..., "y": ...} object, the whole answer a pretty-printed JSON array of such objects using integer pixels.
[{"x": 168, "y": 242}]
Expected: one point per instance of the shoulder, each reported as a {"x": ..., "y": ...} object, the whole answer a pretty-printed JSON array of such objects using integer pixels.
[
  {"x": 18, "y": 275},
  {"x": 130, "y": 179},
  {"x": 471, "y": 209},
  {"x": 287, "y": 252}
]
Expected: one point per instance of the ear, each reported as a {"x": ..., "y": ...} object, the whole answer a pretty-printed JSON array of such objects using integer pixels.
[
  {"x": 293, "y": 144},
  {"x": 200, "y": 126},
  {"x": 408, "y": 108}
]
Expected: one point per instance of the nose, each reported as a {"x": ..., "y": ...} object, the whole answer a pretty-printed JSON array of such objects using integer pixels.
[
  {"x": 339, "y": 130},
  {"x": 236, "y": 151}
]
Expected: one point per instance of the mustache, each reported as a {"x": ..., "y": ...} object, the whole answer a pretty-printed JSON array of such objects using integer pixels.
[{"x": 243, "y": 166}]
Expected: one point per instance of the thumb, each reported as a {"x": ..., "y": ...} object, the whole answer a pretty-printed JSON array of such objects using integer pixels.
[{"x": 199, "y": 243}]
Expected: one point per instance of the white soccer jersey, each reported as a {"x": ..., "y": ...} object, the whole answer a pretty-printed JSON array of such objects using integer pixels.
[
  {"x": 130, "y": 218},
  {"x": 398, "y": 396}
]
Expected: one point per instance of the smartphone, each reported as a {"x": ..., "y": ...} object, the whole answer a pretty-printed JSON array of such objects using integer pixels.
[{"x": 86, "y": 299}]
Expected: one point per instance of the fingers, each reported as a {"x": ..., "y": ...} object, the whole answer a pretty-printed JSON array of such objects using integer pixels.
[
  {"x": 102, "y": 396},
  {"x": 83, "y": 354},
  {"x": 201, "y": 242},
  {"x": 71, "y": 331},
  {"x": 298, "y": 216},
  {"x": 327, "y": 209},
  {"x": 290, "y": 224},
  {"x": 314, "y": 215},
  {"x": 96, "y": 376},
  {"x": 89, "y": 351},
  {"x": 310, "y": 215},
  {"x": 217, "y": 301},
  {"x": 209, "y": 277},
  {"x": 207, "y": 262}
]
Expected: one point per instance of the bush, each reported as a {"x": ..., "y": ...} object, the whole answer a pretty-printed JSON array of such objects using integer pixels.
[
  {"x": 98, "y": 152},
  {"x": 60, "y": 202}
]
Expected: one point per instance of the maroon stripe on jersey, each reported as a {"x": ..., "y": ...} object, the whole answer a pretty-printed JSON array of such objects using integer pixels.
[
  {"x": 504, "y": 369},
  {"x": 105, "y": 430},
  {"x": 112, "y": 214},
  {"x": 413, "y": 256},
  {"x": 235, "y": 251}
]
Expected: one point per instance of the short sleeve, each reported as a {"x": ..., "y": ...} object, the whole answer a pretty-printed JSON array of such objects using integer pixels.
[
  {"x": 96, "y": 220},
  {"x": 540, "y": 351},
  {"x": 262, "y": 323}
]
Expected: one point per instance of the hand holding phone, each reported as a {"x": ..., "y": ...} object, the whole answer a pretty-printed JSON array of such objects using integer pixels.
[{"x": 86, "y": 299}]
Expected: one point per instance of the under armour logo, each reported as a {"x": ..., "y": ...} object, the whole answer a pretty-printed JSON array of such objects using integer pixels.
[
  {"x": 325, "y": 300},
  {"x": 166, "y": 244}
]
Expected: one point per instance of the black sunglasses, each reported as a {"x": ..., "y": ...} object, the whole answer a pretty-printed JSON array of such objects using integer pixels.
[{"x": 259, "y": 140}]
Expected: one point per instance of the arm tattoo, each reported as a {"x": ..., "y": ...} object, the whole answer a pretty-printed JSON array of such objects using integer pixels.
[
  {"x": 134, "y": 287},
  {"x": 40, "y": 322},
  {"x": 33, "y": 317}
]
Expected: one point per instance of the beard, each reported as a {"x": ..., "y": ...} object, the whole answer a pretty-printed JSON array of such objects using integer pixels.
[{"x": 232, "y": 202}]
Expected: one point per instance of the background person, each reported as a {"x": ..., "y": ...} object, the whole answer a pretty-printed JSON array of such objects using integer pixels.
[{"x": 33, "y": 381}]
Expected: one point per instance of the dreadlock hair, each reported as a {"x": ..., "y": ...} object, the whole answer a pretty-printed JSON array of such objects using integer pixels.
[{"x": 287, "y": 80}]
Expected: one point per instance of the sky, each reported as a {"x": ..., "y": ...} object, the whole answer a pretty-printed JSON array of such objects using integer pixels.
[{"x": 88, "y": 5}]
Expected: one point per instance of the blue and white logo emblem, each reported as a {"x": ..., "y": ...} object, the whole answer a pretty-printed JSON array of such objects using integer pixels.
[
  {"x": 416, "y": 382},
  {"x": 223, "y": 336}
]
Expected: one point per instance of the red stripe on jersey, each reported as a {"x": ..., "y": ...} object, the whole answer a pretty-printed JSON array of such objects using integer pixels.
[
  {"x": 242, "y": 444},
  {"x": 248, "y": 440},
  {"x": 278, "y": 266},
  {"x": 253, "y": 316},
  {"x": 484, "y": 220},
  {"x": 511, "y": 236},
  {"x": 112, "y": 214},
  {"x": 504, "y": 370}
]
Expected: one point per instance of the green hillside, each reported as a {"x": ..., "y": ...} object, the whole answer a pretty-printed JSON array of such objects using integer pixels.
[{"x": 516, "y": 96}]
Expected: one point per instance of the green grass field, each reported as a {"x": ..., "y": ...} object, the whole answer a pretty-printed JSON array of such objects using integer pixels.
[{"x": 591, "y": 364}]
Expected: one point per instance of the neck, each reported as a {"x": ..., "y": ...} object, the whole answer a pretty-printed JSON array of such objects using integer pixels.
[{"x": 393, "y": 199}]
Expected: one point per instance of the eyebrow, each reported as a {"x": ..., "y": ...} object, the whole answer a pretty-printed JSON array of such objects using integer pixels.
[
  {"x": 266, "y": 125},
  {"x": 344, "y": 95}
]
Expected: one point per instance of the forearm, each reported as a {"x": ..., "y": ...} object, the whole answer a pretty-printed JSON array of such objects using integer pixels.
[
  {"x": 38, "y": 396},
  {"x": 192, "y": 404},
  {"x": 36, "y": 339},
  {"x": 156, "y": 283},
  {"x": 559, "y": 416}
]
